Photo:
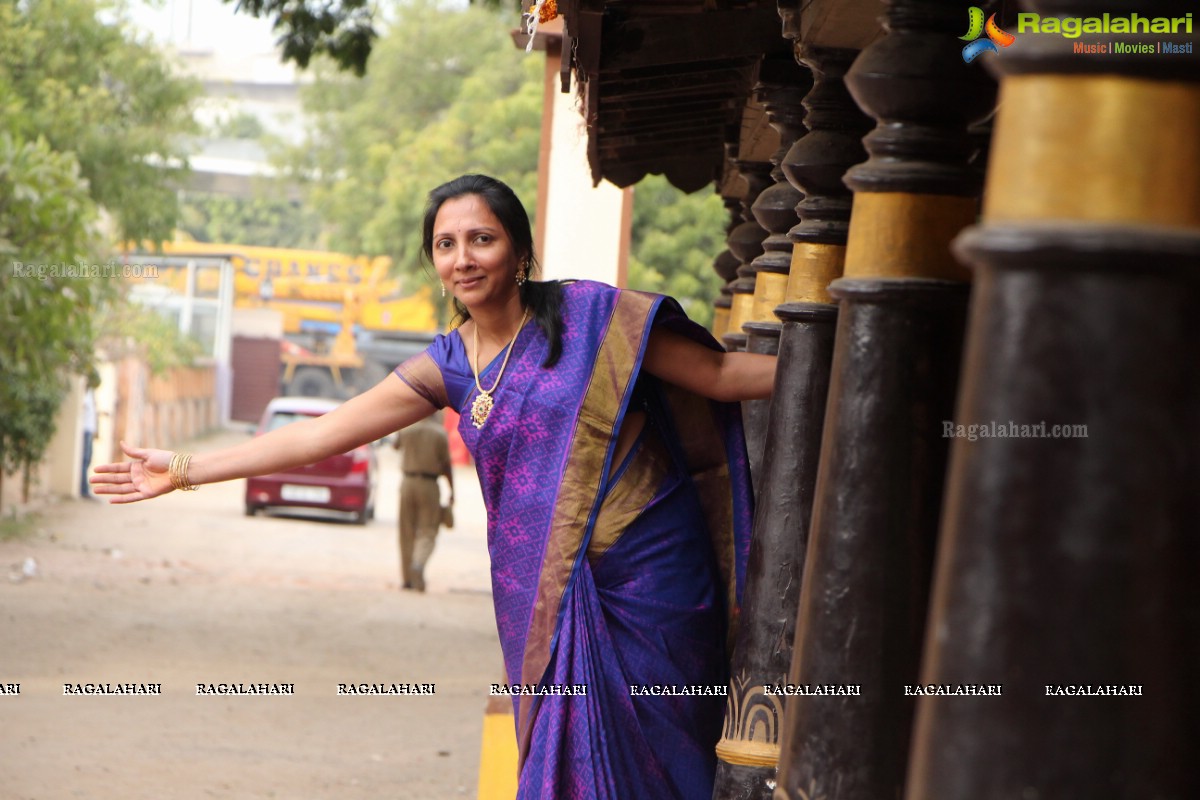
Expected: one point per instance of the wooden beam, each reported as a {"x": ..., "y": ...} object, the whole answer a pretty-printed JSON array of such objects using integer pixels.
[{"x": 631, "y": 41}]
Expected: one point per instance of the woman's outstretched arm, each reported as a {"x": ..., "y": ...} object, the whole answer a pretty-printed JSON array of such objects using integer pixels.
[
  {"x": 386, "y": 407},
  {"x": 714, "y": 374}
]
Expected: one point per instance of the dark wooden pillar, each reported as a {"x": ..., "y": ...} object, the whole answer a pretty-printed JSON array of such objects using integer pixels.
[
  {"x": 1069, "y": 564},
  {"x": 749, "y": 750},
  {"x": 865, "y": 587},
  {"x": 745, "y": 242},
  {"x": 725, "y": 265},
  {"x": 782, "y": 85}
]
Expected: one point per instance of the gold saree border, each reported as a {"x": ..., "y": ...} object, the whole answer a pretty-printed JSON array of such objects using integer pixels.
[
  {"x": 628, "y": 497},
  {"x": 582, "y": 481}
]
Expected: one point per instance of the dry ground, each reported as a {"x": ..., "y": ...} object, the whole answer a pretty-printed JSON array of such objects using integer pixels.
[{"x": 185, "y": 590}]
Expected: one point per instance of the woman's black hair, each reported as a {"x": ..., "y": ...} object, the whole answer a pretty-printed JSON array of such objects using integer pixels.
[{"x": 542, "y": 298}]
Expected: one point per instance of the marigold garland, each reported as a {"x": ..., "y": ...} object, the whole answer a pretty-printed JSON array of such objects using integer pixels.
[
  {"x": 539, "y": 12},
  {"x": 545, "y": 11}
]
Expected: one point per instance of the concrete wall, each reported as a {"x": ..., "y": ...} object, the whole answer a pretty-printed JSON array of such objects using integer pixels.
[
  {"x": 585, "y": 233},
  {"x": 131, "y": 403}
]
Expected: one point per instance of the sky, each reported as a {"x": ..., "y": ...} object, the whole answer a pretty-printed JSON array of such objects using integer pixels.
[
  {"x": 203, "y": 25},
  {"x": 221, "y": 46}
]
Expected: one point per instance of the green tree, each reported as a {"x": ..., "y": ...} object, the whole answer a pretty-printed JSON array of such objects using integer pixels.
[
  {"x": 344, "y": 31},
  {"x": 45, "y": 316},
  {"x": 673, "y": 242},
  {"x": 89, "y": 118},
  {"x": 268, "y": 221},
  {"x": 93, "y": 89},
  {"x": 446, "y": 93},
  {"x": 239, "y": 126}
]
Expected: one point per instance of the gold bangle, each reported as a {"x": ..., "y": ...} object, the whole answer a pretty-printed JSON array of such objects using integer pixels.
[
  {"x": 188, "y": 486},
  {"x": 177, "y": 472}
]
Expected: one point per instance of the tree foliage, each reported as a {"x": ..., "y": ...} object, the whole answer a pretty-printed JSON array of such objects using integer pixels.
[
  {"x": 447, "y": 93},
  {"x": 242, "y": 125},
  {"x": 45, "y": 319},
  {"x": 138, "y": 330},
  {"x": 674, "y": 239},
  {"x": 93, "y": 89},
  {"x": 88, "y": 120},
  {"x": 269, "y": 221},
  {"x": 344, "y": 31}
]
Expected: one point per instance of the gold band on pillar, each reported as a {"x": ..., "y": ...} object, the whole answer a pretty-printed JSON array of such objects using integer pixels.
[
  {"x": 720, "y": 323},
  {"x": 899, "y": 235},
  {"x": 1132, "y": 167},
  {"x": 748, "y": 754},
  {"x": 741, "y": 312},
  {"x": 814, "y": 267},
  {"x": 770, "y": 288}
]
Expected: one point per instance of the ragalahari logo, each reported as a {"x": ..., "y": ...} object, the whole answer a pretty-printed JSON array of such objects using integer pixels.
[{"x": 976, "y": 28}]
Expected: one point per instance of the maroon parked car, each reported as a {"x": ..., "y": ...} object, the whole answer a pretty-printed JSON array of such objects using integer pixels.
[{"x": 344, "y": 482}]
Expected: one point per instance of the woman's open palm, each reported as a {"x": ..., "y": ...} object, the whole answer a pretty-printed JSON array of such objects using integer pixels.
[{"x": 144, "y": 477}]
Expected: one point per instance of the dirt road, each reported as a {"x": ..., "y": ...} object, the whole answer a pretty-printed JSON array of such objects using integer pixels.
[{"x": 185, "y": 590}]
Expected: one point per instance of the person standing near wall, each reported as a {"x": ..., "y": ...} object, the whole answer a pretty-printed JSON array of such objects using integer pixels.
[
  {"x": 90, "y": 419},
  {"x": 425, "y": 456}
]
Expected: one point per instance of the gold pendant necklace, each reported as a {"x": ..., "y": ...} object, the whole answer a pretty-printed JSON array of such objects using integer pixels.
[{"x": 482, "y": 407}]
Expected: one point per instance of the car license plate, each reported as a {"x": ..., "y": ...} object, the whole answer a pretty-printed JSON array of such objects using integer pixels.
[{"x": 305, "y": 494}]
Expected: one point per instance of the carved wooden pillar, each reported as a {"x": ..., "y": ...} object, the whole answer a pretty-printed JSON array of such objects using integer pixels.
[
  {"x": 865, "y": 585},
  {"x": 725, "y": 265},
  {"x": 1071, "y": 562},
  {"x": 745, "y": 242},
  {"x": 781, "y": 88},
  {"x": 814, "y": 165}
]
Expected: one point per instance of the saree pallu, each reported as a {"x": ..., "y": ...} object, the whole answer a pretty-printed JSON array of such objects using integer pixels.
[{"x": 622, "y": 578}]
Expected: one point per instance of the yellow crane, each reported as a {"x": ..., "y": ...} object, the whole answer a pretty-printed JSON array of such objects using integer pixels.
[{"x": 330, "y": 303}]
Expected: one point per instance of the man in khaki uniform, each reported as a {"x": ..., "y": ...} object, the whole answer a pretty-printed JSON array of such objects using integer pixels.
[{"x": 425, "y": 455}]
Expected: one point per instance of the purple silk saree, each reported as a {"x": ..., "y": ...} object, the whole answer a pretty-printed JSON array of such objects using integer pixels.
[{"x": 614, "y": 577}]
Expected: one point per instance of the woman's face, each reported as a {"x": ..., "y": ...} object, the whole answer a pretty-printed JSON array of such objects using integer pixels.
[{"x": 472, "y": 253}]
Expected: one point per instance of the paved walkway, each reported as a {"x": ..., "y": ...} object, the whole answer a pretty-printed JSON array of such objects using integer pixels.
[{"x": 185, "y": 590}]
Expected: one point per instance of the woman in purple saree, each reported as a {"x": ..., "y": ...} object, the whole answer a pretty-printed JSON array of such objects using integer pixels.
[
  {"x": 611, "y": 583},
  {"x": 617, "y": 492}
]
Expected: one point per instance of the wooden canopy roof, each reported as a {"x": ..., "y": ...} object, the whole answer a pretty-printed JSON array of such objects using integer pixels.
[
  {"x": 667, "y": 85},
  {"x": 664, "y": 83}
]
